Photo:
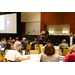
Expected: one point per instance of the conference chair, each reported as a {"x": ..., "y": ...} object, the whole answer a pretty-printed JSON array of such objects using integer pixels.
[
  {"x": 65, "y": 51},
  {"x": 33, "y": 51},
  {"x": 40, "y": 46},
  {"x": 30, "y": 42},
  {"x": 55, "y": 34},
  {"x": 28, "y": 48},
  {"x": 74, "y": 34},
  {"x": 57, "y": 52},
  {"x": 0, "y": 52},
  {"x": 35, "y": 46},
  {"x": 70, "y": 46}
]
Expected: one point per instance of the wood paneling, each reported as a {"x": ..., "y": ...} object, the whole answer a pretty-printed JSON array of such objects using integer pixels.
[{"x": 56, "y": 18}]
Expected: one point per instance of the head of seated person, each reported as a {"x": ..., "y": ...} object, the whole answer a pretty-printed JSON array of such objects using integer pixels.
[
  {"x": 49, "y": 50},
  {"x": 8, "y": 46},
  {"x": 63, "y": 44},
  {"x": 17, "y": 39},
  {"x": 48, "y": 41}
]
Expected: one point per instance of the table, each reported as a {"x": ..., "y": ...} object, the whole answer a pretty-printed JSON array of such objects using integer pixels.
[
  {"x": 33, "y": 58},
  {"x": 2, "y": 49},
  {"x": 36, "y": 58}
]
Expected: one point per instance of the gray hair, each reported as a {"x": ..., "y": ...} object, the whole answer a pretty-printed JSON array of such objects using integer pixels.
[
  {"x": 73, "y": 47},
  {"x": 17, "y": 46}
]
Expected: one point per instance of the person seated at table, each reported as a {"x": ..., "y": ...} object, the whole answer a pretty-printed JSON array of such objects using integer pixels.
[
  {"x": 8, "y": 47},
  {"x": 3, "y": 42},
  {"x": 10, "y": 39},
  {"x": 49, "y": 54},
  {"x": 24, "y": 43},
  {"x": 70, "y": 57},
  {"x": 14, "y": 55},
  {"x": 63, "y": 44},
  {"x": 13, "y": 41},
  {"x": 17, "y": 41},
  {"x": 33, "y": 43},
  {"x": 2, "y": 59},
  {"x": 48, "y": 42}
]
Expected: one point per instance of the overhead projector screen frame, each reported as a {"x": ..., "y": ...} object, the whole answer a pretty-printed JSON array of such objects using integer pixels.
[{"x": 18, "y": 22}]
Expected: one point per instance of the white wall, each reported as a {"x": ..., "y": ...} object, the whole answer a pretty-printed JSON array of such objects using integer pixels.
[
  {"x": 30, "y": 16},
  {"x": 30, "y": 26},
  {"x": 32, "y": 20}
]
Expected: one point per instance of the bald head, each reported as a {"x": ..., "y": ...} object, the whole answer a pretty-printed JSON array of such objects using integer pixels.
[
  {"x": 23, "y": 38},
  {"x": 35, "y": 39}
]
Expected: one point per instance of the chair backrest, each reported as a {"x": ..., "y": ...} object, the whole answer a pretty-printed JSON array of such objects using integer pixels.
[
  {"x": 28, "y": 47},
  {"x": 30, "y": 42},
  {"x": 0, "y": 52},
  {"x": 36, "y": 45},
  {"x": 57, "y": 52},
  {"x": 40, "y": 46},
  {"x": 70, "y": 46},
  {"x": 65, "y": 51},
  {"x": 33, "y": 51}
]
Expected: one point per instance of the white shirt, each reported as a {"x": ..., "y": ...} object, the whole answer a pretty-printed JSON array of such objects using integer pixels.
[
  {"x": 71, "y": 40},
  {"x": 12, "y": 55}
]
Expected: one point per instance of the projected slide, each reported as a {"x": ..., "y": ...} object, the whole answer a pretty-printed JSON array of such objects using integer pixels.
[{"x": 8, "y": 23}]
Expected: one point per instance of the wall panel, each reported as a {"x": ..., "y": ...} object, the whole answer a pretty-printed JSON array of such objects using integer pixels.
[{"x": 55, "y": 18}]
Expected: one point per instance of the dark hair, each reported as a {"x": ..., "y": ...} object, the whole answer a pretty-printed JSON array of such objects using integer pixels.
[
  {"x": 49, "y": 41},
  {"x": 49, "y": 49},
  {"x": 8, "y": 45}
]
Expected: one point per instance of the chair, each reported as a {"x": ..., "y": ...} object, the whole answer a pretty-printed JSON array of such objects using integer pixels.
[
  {"x": 33, "y": 51},
  {"x": 0, "y": 52},
  {"x": 3, "y": 55},
  {"x": 57, "y": 52},
  {"x": 28, "y": 48},
  {"x": 65, "y": 51},
  {"x": 70, "y": 46},
  {"x": 36, "y": 45},
  {"x": 74, "y": 34},
  {"x": 30, "y": 42},
  {"x": 55, "y": 34},
  {"x": 40, "y": 46}
]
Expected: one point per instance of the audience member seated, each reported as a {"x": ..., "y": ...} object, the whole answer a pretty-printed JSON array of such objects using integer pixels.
[
  {"x": 2, "y": 59},
  {"x": 63, "y": 44},
  {"x": 17, "y": 41},
  {"x": 24, "y": 44},
  {"x": 70, "y": 57},
  {"x": 22, "y": 39},
  {"x": 8, "y": 47},
  {"x": 33, "y": 43},
  {"x": 13, "y": 41},
  {"x": 48, "y": 42},
  {"x": 10, "y": 39},
  {"x": 3, "y": 42},
  {"x": 49, "y": 54},
  {"x": 14, "y": 55}
]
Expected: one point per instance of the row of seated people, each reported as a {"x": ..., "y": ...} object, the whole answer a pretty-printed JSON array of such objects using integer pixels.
[
  {"x": 48, "y": 56},
  {"x": 9, "y": 50}
]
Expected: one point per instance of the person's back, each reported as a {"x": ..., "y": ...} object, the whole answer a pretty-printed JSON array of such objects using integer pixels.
[
  {"x": 52, "y": 58},
  {"x": 33, "y": 43},
  {"x": 24, "y": 43},
  {"x": 12, "y": 55},
  {"x": 49, "y": 54},
  {"x": 63, "y": 45}
]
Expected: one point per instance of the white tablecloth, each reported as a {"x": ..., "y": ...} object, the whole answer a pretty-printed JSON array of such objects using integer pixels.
[
  {"x": 33, "y": 58},
  {"x": 2, "y": 49},
  {"x": 36, "y": 58}
]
